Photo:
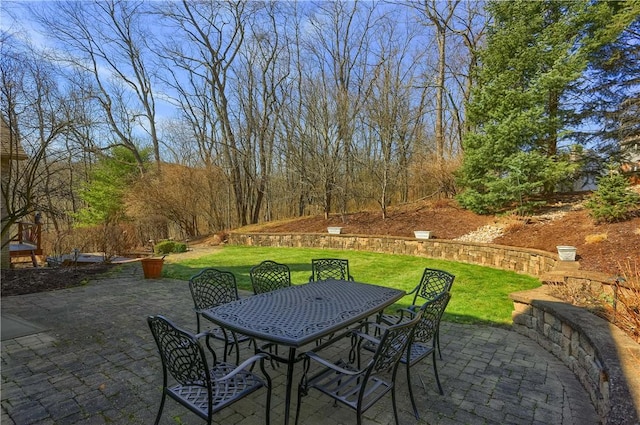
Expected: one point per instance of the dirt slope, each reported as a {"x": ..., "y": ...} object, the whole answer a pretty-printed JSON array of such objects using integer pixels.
[{"x": 600, "y": 247}]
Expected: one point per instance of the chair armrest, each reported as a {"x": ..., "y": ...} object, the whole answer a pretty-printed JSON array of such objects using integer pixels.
[
  {"x": 244, "y": 365},
  {"x": 203, "y": 334},
  {"x": 368, "y": 324},
  {"x": 410, "y": 312},
  {"x": 313, "y": 356},
  {"x": 332, "y": 339},
  {"x": 398, "y": 318},
  {"x": 368, "y": 337}
]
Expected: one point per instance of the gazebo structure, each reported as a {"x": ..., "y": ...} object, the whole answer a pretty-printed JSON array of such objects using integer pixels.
[{"x": 28, "y": 236}]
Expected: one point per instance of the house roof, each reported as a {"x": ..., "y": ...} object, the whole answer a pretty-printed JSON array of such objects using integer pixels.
[{"x": 10, "y": 147}]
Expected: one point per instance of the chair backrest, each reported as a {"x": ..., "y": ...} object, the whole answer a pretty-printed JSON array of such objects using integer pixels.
[
  {"x": 329, "y": 268},
  {"x": 213, "y": 287},
  {"x": 181, "y": 354},
  {"x": 431, "y": 313},
  {"x": 268, "y": 276},
  {"x": 392, "y": 346},
  {"x": 433, "y": 283}
]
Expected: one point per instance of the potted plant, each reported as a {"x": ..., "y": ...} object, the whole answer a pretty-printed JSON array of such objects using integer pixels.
[{"x": 152, "y": 267}]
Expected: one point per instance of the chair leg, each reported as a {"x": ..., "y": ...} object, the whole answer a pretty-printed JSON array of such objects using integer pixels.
[
  {"x": 300, "y": 393},
  {"x": 438, "y": 343},
  {"x": 435, "y": 371},
  {"x": 393, "y": 402},
  {"x": 235, "y": 344},
  {"x": 268, "y": 403},
  {"x": 159, "y": 415},
  {"x": 413, "y": 401}
]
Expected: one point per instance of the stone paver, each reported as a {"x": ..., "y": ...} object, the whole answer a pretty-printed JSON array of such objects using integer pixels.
[{"x": 97, "y": 364}]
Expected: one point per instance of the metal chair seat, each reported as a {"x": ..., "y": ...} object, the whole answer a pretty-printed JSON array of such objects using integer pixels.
[
  {"x": 346, "y": 388},
  {"x": 226, "y": 392}
]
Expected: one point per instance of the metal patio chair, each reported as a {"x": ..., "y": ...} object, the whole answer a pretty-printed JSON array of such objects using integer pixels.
[
  {"x": 423, "y": 342},
  {"x": 269, "y": 276},
  {"x": 203, "y": 388},
  {"x": 329, "y": 268},
  {"x": 433, "y": 283},
  {"x": 352, "y": 385},
  {"x": 210, "y": 288}
]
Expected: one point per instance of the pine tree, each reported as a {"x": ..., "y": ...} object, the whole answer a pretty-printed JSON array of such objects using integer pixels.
[{"x": 536, "y": 53}]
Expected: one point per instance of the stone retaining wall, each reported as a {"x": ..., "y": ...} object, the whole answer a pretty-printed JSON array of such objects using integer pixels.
[{"x": 521, "y": 260}]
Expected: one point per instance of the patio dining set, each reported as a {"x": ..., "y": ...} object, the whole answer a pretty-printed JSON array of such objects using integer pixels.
[{"x": 288, "y": 324}]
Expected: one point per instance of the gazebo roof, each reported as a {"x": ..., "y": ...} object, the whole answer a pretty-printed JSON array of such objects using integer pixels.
[{"x": 10, "y": 149}]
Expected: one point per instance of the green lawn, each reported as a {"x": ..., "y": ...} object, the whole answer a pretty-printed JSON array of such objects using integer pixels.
[{"x": 479, "y": 294}]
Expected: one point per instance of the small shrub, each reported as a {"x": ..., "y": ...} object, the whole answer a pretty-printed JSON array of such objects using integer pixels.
[
  {"x": 595, "y": 238},
  {"x": 180, "y": 247},
  {"x": 164, "y": 247},
  {"x": 167, "y": 247},
  {"x": 613, "y": 201},
  {"x": 619, "y": 304},
  {"x": 513, "y": 225}
]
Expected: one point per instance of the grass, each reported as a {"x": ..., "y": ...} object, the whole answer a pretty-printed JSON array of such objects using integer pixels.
[{"x": 479, "y": 294}]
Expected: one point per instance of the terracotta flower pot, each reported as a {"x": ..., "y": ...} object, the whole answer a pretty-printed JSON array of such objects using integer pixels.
[{"x": 152, "y": 267}]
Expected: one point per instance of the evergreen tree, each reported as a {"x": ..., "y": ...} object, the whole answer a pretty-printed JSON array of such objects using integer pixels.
[
  {"x": 610, "y": 87},
  {"x": 535, "y": 54},
  {"x": 613, "y": 201},
  {"x": 104, "y": 193}
]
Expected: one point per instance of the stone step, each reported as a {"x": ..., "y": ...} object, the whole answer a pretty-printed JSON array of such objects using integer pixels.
[{"x": 560, "y": 271}]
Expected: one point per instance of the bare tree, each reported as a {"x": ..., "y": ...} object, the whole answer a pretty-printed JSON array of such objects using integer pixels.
[
  {"x": 32, "y": 111},
  {"x": 106, "y": 40},
  {"x": 439, "y": 17},
  {"x": 206, "y": 43},
  {"x": 260, "y": 97},
  {"x": 393, "y": 115},
  {"x": 231, "y": 53},
  {"x": 470, "y": 25},
  {"x": 338, "y": 47}
]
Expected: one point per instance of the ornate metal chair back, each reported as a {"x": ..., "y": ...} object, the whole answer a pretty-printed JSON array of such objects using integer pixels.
[
  {"x": 329, "y": 268},
  {"x": 269, "y": 276},
  {"x": 433, "y": 283},
  {"x": 213, "y": 287},
  {"x": 432, "y": 312}
]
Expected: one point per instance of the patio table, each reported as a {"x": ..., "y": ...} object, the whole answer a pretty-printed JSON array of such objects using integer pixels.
[{"x": 301, "y": 314}]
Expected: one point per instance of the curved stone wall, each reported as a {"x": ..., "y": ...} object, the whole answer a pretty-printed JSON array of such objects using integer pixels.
[
  {"x": 521, "y": 260},
  {"x": 604, "y": 359}
]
